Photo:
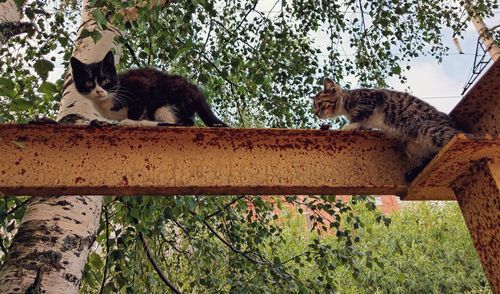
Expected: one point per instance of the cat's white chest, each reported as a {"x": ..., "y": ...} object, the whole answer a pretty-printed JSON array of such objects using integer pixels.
[
  {"x": 104, "y": 108},
  {"x": 376, "y": 121}
]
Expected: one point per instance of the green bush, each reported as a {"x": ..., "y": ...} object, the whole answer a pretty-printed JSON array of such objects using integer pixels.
[{"x": 425, "y": 249}]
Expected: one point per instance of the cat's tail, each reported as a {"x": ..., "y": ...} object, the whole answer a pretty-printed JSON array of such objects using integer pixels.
[{"x": 208, "y": 116}]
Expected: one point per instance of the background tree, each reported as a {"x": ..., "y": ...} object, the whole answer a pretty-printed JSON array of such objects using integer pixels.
[{"x": 257, "y": 67}]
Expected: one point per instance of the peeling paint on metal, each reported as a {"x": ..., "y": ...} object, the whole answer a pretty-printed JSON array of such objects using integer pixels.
[
  {"x": 66, "y": 160},
  {"x": 478, "y": 194},
  {"x": 435, "y": 181},
  {"x": 479, "y": 110}
]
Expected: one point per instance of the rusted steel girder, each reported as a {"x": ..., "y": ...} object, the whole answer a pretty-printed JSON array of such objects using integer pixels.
[
  {"x": 478, "y": 193},
  {"x": 435, "y": 182},
  {"x": 67, "y": 160},
  {"x": 477, "y": 187},
  {"x": 479, "y": 111}
]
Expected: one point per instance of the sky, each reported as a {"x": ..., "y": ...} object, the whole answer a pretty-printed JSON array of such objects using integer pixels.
[{"x": 439, "y": 84}]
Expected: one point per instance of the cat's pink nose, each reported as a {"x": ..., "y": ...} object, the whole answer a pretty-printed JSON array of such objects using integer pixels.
[{"x": 100, "y": 92}]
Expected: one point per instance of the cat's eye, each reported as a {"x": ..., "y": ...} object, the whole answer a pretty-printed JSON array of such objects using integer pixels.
[
  {"x": 106, "y": 82},
  {"x": 89, "y": 84}
]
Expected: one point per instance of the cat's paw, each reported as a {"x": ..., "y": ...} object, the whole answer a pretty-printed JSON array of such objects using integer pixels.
[
  {"x": 219, "y": 125},
  {"x": 351, "y": 127},
  {"x": 139, "y": 123},
  {"x": 325, "y": 127},
  {"x": 99, "y": 123},
  {"x": 43, "y": 121}
]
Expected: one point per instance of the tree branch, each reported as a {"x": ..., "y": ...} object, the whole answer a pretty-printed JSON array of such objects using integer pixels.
[
  {"x": 131, "y": 51},
  {"x": 2, "y": 246},
  {"x": 224, "y": 208},
  {"x": 234, "y": 249},
  {"x": 155, "y": 265},
  {"x": 12, "y": 210},
  {"x": 107, "y": 250}
]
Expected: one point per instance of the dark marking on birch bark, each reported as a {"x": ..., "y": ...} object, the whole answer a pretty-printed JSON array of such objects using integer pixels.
[
  {"x": 33, "y": 231},
  {"x": 66, "y": 85},
  {"x": 72, "y": 279},
  {"x": 36, "y": 287},
  {"x": 61, "y": 203},
  {"x": 72, "y": 104},
  {"x": 82, "y": 199},
  {"x": 49, "y": 260},
  {"x": 76, "y": 243}
]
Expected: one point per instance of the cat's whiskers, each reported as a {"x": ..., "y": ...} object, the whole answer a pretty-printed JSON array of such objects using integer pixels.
[
  {"x": 120, "y": 100},
  {"x": 117, "y": 89}
]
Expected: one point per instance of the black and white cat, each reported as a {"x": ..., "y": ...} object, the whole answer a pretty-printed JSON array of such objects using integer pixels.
[{"x": 142, "y": 96}]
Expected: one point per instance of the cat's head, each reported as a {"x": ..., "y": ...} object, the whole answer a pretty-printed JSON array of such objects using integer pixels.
[
  {"x": 95, "y": 81},
  {"x": 325, "y": 102}
]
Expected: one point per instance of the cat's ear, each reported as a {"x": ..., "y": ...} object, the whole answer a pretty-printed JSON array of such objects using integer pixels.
[
  {"x": 109, "y": 59},
  {"x": 76, "y": 64},
  {"x": 329, "y": 84}
]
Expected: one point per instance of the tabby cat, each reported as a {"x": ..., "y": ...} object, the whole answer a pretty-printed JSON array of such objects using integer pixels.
[
  {"x": 141, "y": 96},
  {"x": 419, "y": 126}
]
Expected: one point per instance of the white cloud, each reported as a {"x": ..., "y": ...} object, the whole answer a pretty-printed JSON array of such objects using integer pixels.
[{"x": 430, "y": 82}]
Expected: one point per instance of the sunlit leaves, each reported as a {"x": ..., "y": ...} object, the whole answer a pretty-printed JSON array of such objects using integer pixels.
[{"x": 43, "y": 67}]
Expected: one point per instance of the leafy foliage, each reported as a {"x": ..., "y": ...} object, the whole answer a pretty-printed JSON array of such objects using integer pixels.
[
  {"x": 426, "y": 249},
  {"x": 227, "y": 244},
  {"x": 258, "y": 68}
]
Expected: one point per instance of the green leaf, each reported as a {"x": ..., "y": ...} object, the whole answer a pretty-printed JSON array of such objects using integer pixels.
[
  {"x": 100, "y": 18},
  {"x": 85, "y": 33},
  {"x": 47, "y": 88},
  {"x": 7, "y": 87},
  {"x": 43, "y": 67},
  {"x": 396, "y": 70},
  {"x": 20, "y": 105}
]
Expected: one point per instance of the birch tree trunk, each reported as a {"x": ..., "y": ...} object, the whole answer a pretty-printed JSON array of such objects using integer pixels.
[
  {"x": 9, "y": 12},
  {"x": 10, "y": 20},
  {"x": 50, "y": 249}
]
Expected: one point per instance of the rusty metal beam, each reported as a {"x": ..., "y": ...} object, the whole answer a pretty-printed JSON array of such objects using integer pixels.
[
  {"x": 435, "y": 181},
  {"x": 478, "y": 194},
  {"x": 479, "y": 110},
  {"x": 57, "y": 160}
]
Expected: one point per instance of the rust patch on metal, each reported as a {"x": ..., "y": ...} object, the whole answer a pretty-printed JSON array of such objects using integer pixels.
[
  {"x": 435, "y": 181},
  {"x": 478, "y": 194},
  {"x": 479, "y": 110},
  {"x": 71, "y": 160}
]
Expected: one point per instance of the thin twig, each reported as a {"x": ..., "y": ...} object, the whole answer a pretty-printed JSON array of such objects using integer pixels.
[
  {"x": 298, "y": 255},
  {"x": 2, "y": 246},
  {"x": 234, "y": 249},
  {"x": 224, "y": 208},
  {"x": 182, "y": 228},
  {"x": 363, "y": 26},
  {"x": 12, "y": 210},
  {"x": 130, "y": 50},
  {"x": 172, "y": 244},
  {"x": 107, "y": 250},
  {"x": 155, "y": 265}
]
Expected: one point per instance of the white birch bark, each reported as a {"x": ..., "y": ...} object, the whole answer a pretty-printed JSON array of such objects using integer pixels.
[
  {"x": 9, "y": 12},
  {"x": 75, "y": 108},
  {"x": 50, "y": 249}
]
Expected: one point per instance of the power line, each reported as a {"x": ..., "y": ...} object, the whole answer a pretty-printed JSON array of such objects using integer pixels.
[{"x": 440, "y": 97}]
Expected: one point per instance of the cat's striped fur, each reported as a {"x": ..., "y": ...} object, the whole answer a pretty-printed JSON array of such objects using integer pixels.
[{"x": 421, "y": 128}]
